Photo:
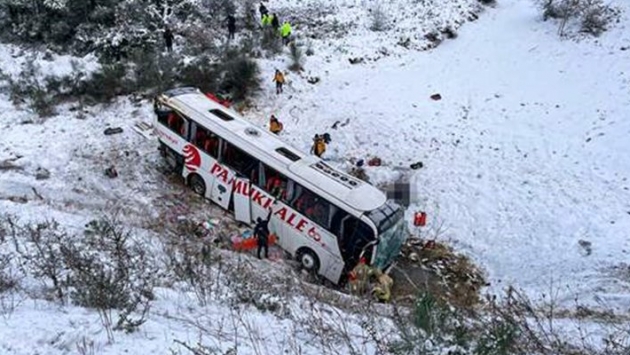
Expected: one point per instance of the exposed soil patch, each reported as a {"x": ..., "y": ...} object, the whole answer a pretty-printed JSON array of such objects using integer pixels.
[{"x": 435, "y": 268}]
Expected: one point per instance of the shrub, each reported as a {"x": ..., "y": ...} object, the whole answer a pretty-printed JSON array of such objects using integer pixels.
[
  {"x": 378, "y": 19},
  {"x": 241, "y": 77},
  {"x": 593, "y": 15},
  {"x": 296, "y": 56},
  {"x": 270, "y": 41},
  {"x": 105, "y": 84},
  {"x": 202, "y": 73}
]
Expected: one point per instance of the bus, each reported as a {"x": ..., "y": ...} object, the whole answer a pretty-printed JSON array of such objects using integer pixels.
[{"x": 324, "y": 218}]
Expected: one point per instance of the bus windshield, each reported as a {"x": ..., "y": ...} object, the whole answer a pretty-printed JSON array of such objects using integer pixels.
[{"x": 390, "y": 222}]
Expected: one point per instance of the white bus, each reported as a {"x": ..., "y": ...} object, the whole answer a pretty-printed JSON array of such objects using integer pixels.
[{"x": 324, "y": 218}]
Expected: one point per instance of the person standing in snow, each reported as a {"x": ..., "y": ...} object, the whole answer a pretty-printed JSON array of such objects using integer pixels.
[
  {"x": 263, "y": 10},
  {"x": 168, "y": 39},
  {"x": 231, "y": 26},
  {"x": 275, "y": 23},
  {"x": 279, "y": 79},
  {"x": 285, "y": 32},
  {"x": 261, "y": 233},
  {"x": 319, "y": 146},
  {"x": 275, "y": 126}
]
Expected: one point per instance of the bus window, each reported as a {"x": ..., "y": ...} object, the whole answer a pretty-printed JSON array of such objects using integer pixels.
[
  {"x": 276, "y": 184},
  {"x": 205, "y": 140},
  {"x": 312, "y": 206},
  {"x": 244, "y": 164},
  {"x": 176, "y": 123}
]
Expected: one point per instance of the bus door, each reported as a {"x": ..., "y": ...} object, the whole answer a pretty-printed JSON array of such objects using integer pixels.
[
  {"x": 242, "y": 201},
  {"x": 221, "y": 190}
]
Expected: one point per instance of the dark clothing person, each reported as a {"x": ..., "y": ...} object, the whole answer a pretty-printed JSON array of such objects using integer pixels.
[
  {"x": 263, "y": 10},
  {"x": 275, "y": 23},
  {"x": 261, "y": 233},
  {"x": 231, "y": 25},
  {"x": 168, "y": 39}
]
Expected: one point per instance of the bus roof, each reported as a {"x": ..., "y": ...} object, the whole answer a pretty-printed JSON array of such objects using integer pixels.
[{"x": 305, "y": 169}]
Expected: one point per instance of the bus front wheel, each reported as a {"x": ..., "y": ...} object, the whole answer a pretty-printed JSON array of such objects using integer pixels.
[
  {"x": 197, "y": 184},
  {"x": 308, "y": 260}
]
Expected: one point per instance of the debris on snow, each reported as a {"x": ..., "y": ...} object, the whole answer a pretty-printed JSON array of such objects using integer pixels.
[
  {"x": 356, "y": 60},
  {"x": 436, "y": 97},
  {"x": 110, "y": 131},
  {"x": 111, "y": 172},
  {"x": 42, "y": 174}
]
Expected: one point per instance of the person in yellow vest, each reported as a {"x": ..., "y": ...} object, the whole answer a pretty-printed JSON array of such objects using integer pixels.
[
  {"x": 383, "y": 288},
  {"x": 319, "y": 146},
  {"x": 266, "y": 20},
  {"x": 285, "y": 32},
  {"x": 279, "y": 79},
  {"x": 275, "y": 126},
  {"x": 360, "y": 278}
]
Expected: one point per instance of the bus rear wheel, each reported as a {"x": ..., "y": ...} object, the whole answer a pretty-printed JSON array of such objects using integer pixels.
[
  {"x": 197, "y": 184},
  {"x": 308, "y": 260}
]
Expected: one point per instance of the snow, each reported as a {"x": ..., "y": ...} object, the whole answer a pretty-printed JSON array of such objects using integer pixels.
[{"x": 524, "y": 157}]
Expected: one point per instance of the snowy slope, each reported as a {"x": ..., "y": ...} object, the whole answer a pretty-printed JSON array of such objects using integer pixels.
[{"x": 525, "y": 155}]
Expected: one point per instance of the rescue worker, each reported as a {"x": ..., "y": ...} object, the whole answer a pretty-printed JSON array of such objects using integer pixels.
[
  {"x": 279, "y": 79},
  {"x": 168, "y": 39},
  {"x": 261, "y": 233},
  {"x": 231, "y": 26},
  {"x": 275, "y": 23},
  {"x": 275, "y": 126},
  {"x": 266, "y": 20},
  {"x": 360, "y": 277},
  {"x": 384, "y": 283},
  {"x": 319, "y": 146},
  {"x": 285, "y": 32},
  {"x": 263, "y": 10}
]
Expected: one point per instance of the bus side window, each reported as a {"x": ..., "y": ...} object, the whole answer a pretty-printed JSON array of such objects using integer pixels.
[
  {"x": 244, "y": 164},
  {"x": 313, "y": 207},
  {"x": 205, "y": 140},
  {"x": 177, "y": 124},
  {"x": 275, "y": 183}
]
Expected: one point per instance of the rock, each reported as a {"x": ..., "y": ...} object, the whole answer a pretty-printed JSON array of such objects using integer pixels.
[
  {"x": 9, "y": 165},
  {"x": 111, "y": 172},
  {"x": 356, "y": 60},
  {"x": 436, "y": 97},
  {"x": 110, "y": 131},
  {"x": 416, "y": 166},
  {"x": 42, "y": 174}
]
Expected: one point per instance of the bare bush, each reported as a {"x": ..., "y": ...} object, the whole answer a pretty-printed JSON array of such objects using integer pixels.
[
  {"x": 593, "y": 16},
  {"x": 30, "y": 88},
  {"x": 296, "y": 56},
  {"x": 270, "y": 41},
  {"x": 39, "y": 248},
  {"x": 378, "y": 19}
]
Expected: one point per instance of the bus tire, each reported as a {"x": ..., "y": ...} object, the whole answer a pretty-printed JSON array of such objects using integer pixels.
[
  {"x": 197, "y": 184},
  {"x": 308, "y": 260}
]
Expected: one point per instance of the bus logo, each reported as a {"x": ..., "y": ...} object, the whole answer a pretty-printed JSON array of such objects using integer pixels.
[{"x": 192, "y": 158}]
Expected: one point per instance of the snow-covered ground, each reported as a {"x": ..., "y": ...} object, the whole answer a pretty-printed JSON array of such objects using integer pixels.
[
  {"x": 525, "y": 156},
  {"x": 525, "y": 160}
]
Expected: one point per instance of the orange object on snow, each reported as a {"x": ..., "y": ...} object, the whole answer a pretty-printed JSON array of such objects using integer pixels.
[
  {"x": 420, "y": 219},
  {"x": 251, "y": 243}
]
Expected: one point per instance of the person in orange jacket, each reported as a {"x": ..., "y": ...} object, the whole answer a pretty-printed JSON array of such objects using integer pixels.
[
  {"x": 319, "y": 146},
  {"x": 275, "y": 126},
  {"x": 279, "y": 79}
]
